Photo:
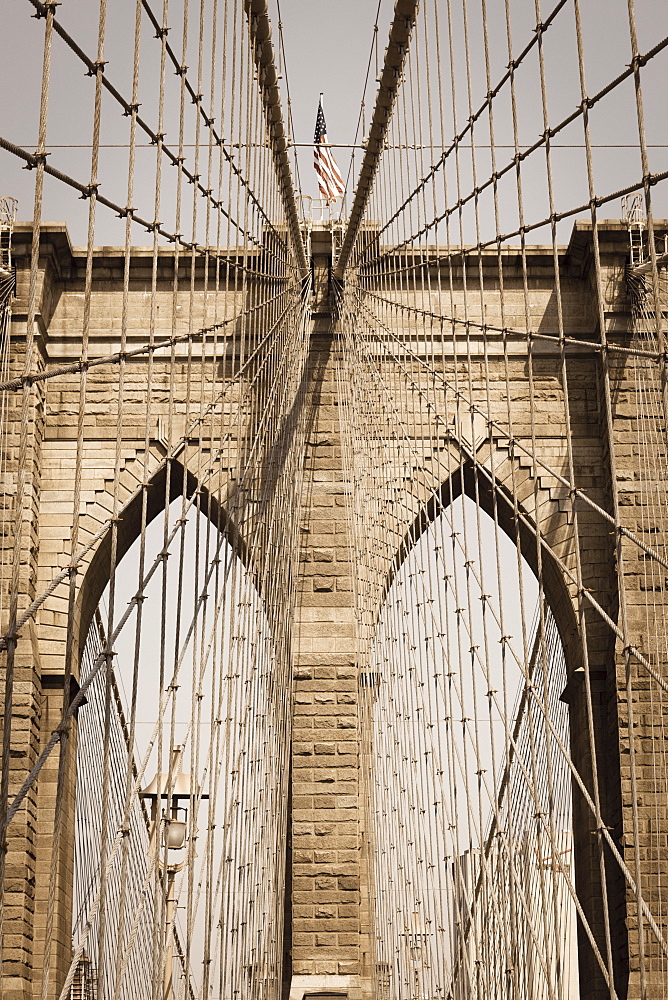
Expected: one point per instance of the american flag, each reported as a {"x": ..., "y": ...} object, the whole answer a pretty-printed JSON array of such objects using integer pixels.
[{"x": 329, "y": 178}]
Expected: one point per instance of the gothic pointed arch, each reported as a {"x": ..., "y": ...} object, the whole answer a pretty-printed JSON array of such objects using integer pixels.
[
  {"x": 171, "y": 480},
  {"x": 496, "y": 500}
]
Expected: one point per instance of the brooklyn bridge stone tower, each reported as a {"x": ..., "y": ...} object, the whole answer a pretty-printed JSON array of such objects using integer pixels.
[{"x": 334, "y": 576}]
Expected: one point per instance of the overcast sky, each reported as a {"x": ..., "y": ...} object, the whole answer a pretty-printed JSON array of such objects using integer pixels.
[{"x": 327, "y": 46}]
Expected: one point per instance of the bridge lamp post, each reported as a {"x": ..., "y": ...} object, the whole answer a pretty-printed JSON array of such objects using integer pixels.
[
  {"x": 416, "y": 940},
  {"x": 173, "y": 822}
]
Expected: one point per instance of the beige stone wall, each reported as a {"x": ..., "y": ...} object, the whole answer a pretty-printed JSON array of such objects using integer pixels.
[
  {"x": 25, "y": 428},
  {"x": 640, "y": 448},
  {"x": 329, "y": 942},
  {"x": 327, "y": 936}
]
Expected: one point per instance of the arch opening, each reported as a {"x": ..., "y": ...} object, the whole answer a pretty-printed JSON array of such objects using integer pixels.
[
  {"x": 188, "y": 694},
  {"x": 468, "y": 783},
  {"x": 170, "y": 483}
]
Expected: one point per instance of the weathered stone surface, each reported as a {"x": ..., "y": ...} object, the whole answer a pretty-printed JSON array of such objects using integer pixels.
[{"x": 330, "y": 931}]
